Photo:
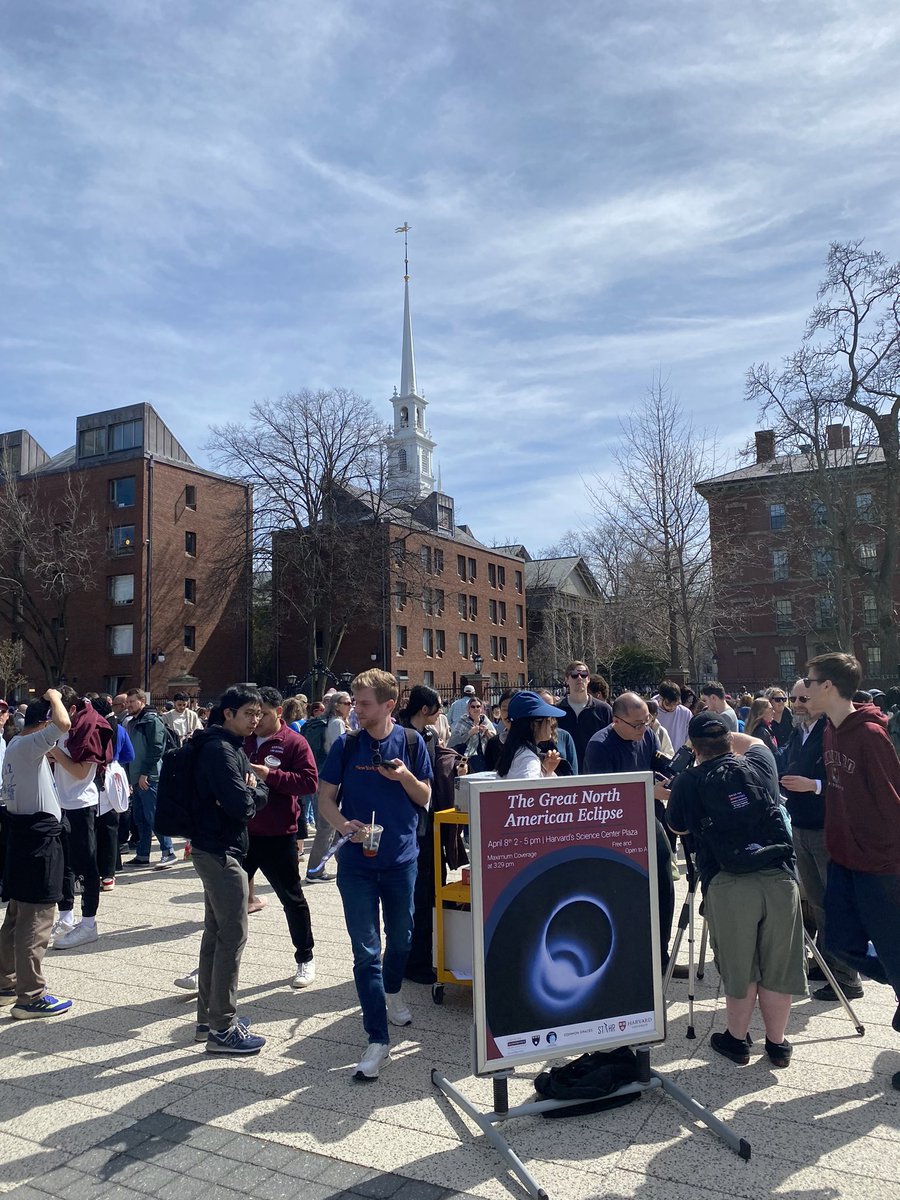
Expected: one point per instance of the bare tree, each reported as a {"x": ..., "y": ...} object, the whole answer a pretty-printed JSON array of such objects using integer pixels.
[
  {"x": 650, "y": 536},
  {"x": 318, "y": 465},
  {"x": 847, "y": 372},
  {"x": 48, "y": 547},
  {"x": 10, "y": 665}
]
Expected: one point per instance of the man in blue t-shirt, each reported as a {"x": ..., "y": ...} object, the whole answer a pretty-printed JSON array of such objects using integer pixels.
[{"x": 377, "y": 772}]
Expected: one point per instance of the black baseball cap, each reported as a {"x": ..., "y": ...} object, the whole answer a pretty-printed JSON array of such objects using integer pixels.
[{"x": 707, "y": 725}]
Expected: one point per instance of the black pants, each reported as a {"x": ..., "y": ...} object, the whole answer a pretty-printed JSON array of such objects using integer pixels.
[
  {"x": 420, "y": 952},
  {"x": 276, "y": 857},
  {"x": 79, "y": 843},
  {"x": 107, "y": 830},
  {"x": 665, "y": 887}
]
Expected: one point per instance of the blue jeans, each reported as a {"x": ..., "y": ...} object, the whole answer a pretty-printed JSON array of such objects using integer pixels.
[
  {"x": 143, "y": 806},
  {"x": 361, "y": 892},
  {"x": 310, "y": 807},
  {"x": 861, "y": 908}
]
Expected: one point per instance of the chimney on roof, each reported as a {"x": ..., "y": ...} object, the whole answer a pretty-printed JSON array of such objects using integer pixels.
[
  {"x": 838, "y": 437},
  {"x": 765, "y": 445}
]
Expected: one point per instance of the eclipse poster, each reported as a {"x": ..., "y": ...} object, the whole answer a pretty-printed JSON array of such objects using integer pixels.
[{"x": 566, "y": 918}]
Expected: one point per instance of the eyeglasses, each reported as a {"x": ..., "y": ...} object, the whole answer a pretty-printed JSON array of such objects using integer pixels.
[
  {"x": 579, "y": 674},
  {"x": 636, "y": 724},
  {"x": 799, "y": 699},
  {"x": 808, "y": 682}
]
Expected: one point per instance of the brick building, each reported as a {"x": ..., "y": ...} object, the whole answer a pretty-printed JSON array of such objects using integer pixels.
[
  {"x": 166, "y": 609},
  {"x": 779, "y": 584},
  {"x": 445, "y": 596}
]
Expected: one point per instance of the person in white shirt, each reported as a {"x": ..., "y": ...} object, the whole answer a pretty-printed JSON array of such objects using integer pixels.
[
  {"x": 182, "y": 719},
  {"x": 530, "y": 718},
  {"x": 458, "y": 707},
  {"x": 32, "y": 882},
  {"x": 337, "y": 713},
  {"x": 672, "y": 714}
]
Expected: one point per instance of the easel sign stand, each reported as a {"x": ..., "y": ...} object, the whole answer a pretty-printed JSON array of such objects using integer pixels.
[{"x": 566, "y": 934}]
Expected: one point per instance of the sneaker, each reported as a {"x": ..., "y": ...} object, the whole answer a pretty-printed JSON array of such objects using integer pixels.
[
  {"x": 779, "y": 1053},
  {"x": 236, "y": 1040},
  {"x": 397, "y": 1012},
  {"x": 827, "y": 994},
  {"x": 136, "y": 862},
  {"x": 189, "y": 981},
  {"x": 46, "y": 1006},
  {"x": 8, "y": 996},
  {"x": 79, "y": 935},
  {"x": 107, "y": 885},
  {"x": 377, "y": 1053},
  {"x": 167, "y": 860},
  {"x": 731, "y": 1047},
  {"x": 201, "y": 1033},
  {"x": 321, "y": 877},
  {"x": 305, "y": 975}
]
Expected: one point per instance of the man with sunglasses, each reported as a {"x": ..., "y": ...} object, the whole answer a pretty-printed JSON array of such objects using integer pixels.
[
  {"x": 378, "y": 774},
  {"x": 803, "y": 783},
  {"x": 862, "y": 825},
  {"x": 584, "y": 715}
]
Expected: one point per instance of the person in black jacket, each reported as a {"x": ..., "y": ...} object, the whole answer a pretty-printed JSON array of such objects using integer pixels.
[
  {"x": 584, "y": 716},
  {"x": 33, "y": 873},
  {"x": 804, "y": 781},
  {"x": 227, "y": 795}
]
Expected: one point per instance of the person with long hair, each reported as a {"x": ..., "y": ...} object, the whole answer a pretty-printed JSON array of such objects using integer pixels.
[
  {"x": 759, "y": 723},
  {"x": 471, "y": 734},
  {"x": 530, "y": 724}
]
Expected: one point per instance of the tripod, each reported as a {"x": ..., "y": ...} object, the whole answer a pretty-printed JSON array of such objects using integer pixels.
[{"x": 696, "y": 969}]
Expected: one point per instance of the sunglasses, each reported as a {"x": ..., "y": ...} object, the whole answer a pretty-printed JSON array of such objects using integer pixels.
[
  {"x": 779, "y": 699},
  {"x": 800, "y": 699},
  {"x": 579, "y": 674},
  {"x": 807, "y": 683}
]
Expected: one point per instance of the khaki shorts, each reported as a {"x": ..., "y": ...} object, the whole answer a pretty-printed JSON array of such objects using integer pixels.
[{"x": 756, "y": 932}]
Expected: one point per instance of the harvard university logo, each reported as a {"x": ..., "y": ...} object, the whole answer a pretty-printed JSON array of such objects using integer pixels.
[
  {"x": 535, "y": 1039},
  {"x": 622, "y": 1025}
]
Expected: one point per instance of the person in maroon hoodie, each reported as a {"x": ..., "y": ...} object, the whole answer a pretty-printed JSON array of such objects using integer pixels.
[
  {"x": 862, "y": 825},
  {"x": 284, "y": 762}
]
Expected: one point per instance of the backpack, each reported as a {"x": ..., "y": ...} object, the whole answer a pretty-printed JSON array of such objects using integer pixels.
[
  {"x": 173, "y": 741},
  {"x": 743, "y": 827},
  {"x": 176, "y": 792},
  {"x": 314, "y": 732}
]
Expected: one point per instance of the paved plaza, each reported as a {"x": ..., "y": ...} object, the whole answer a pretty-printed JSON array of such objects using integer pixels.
[{"x": 115, "y": 1099}]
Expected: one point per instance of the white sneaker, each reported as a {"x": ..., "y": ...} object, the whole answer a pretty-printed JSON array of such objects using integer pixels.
[
  {"x": 306, "y": 974},
  {"x": 377, "y": 1053},
  {"x": 80, "y": 935},
  {"x": 397, "y": 1011},
  {"x": 60, "y": 928},
  {"x": 189, "y": 981}
]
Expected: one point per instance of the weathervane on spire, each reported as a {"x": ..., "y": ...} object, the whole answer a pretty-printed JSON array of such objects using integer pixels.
[{"x": 404, "y": 229}]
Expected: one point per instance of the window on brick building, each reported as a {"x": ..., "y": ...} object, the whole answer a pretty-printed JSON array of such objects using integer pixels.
[
  {"x": 501, "y": 612},
  {"x": 91, "y": 442},
  {"x": 494, "y": 650},
  {"x": 461, "y": 567},
  {"x": 428, "y": 642},
  {"x": 519, "y": 583},
  {"x": 473, "y": 570},
  {"x": 473, "y": 643},
  {"x": 463, "y": 645},
  {"x": 428, "y": 678},
  {"x": 520, "y": 616},
  {"x": 865, "y": 510},
  {"x": 501, "y": 577},
  {"x": 120, "y": 589},
  {"x": 819, "y": 512},
  {"x": 492, "y": 574},
  {"x": 492, "y": 611},
  {"x": 190, "y": 637},
  {"x": 503, "y": 648},
  {"x": 121, "y": 491},
  {"x": 121, "y": 539},
  {"x": 520, "y": 649},
  {"x": 787, "y": 664},
  {"x": 190, "y": 543},
  {"x": 873, "y": 660},
  {"x": 823, "y": 560},
  {"x": 779, "y": 565},
  {"x": 777, "y": 516},
  {"x": 440, "y": 643},
  {"x": 438, "y": 562},
  {"x": 400, "y": 597},
  {"x": 425, "y": 557},
  {"x": 400, "y": 642},
  {"x": 870, "y": 611},
  {"x": 438, "y": 602},
  {"x": 473, "y": 608},
  {"x": 784, "y": 618},
  {"x": 190, "y": 496},
  {"x": 824, "y": 612},
  {"x": 427, "y": 601},
  {"x": 120, "y": 639},
  {"x": 190, "y": 591},
  {"x": 126, "y": 435},
  {"x": 867, "y": 555},
  {"x": 463, "y": 606}
]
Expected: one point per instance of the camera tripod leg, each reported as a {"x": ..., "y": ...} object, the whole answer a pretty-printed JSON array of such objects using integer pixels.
[
  {"x": 836, "y": 987},
  {"x": 691, "y": 966}
]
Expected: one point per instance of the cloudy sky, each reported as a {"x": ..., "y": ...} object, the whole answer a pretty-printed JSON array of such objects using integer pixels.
[{"x": 199, "y": 199}]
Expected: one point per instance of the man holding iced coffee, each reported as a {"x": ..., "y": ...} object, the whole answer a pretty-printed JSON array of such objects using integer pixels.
[{"x": 383, "y": 784}]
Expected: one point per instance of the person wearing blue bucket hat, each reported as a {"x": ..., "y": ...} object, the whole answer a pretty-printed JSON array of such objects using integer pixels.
[{"x": 530, "y": 716}]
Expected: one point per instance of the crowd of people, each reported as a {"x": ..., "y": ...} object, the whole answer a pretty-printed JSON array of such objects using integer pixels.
[{"x": 790, "y": 804}]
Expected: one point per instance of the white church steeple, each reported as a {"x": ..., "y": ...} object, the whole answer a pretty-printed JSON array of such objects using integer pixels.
[{"x": 411, "y": 472}]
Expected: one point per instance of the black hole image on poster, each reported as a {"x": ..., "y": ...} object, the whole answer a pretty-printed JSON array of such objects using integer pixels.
[{"x": 569, "y": 940}]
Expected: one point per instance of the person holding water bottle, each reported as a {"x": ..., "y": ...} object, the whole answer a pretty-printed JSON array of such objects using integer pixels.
[{"x": 383, "y": 775}]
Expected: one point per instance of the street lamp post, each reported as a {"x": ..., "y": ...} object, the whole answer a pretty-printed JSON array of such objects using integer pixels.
[{"x": 477, "y": 680}]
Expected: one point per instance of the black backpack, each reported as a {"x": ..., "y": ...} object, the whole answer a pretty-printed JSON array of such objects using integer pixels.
[
  {"x": 172, "y": 742},
  {"x": 176, "y": 792},
  {"x": 743, "y": 827}
]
